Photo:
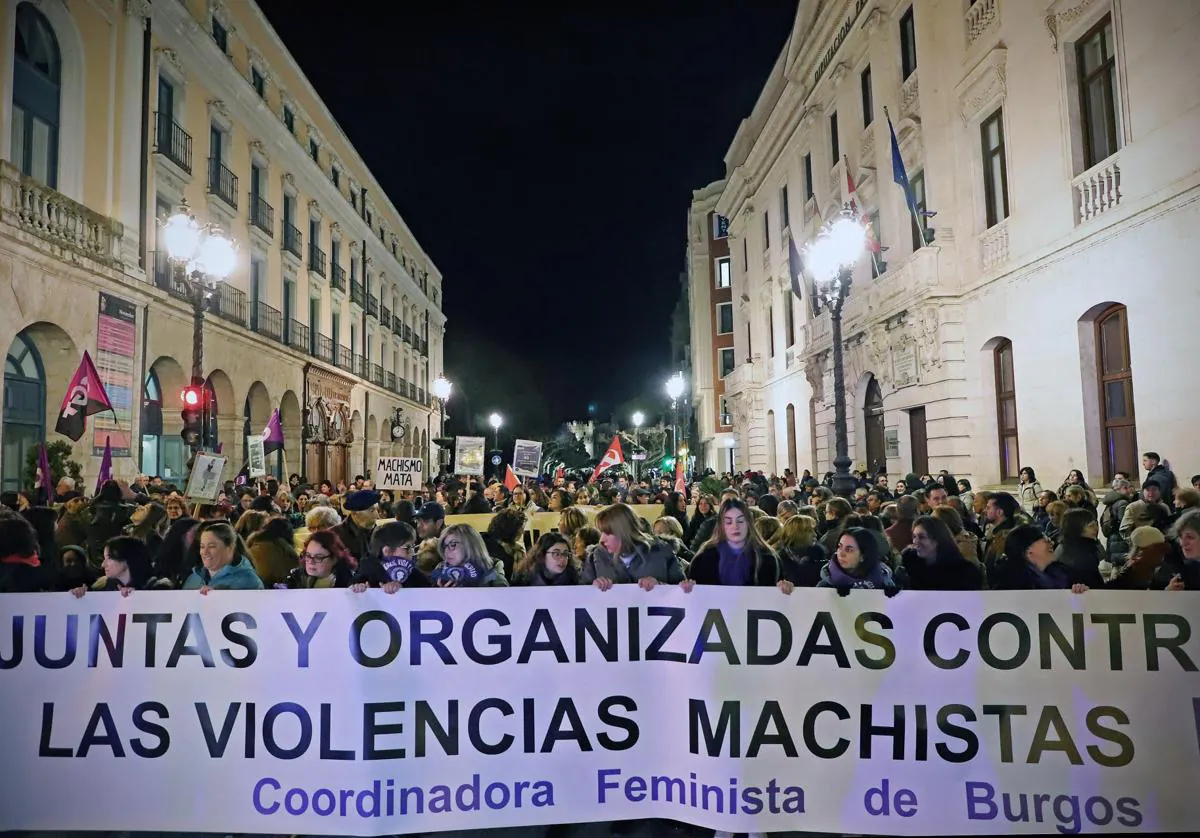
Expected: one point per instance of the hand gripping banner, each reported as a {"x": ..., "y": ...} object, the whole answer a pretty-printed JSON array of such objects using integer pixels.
[{"x": 741, "y": 709}]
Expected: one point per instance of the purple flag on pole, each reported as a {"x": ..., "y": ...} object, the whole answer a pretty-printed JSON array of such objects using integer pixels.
[
  {"x": 105, "y": 465},
  {"x": 85, "y": 397},
  {"x": 273, "y": 435},
  {"x": 45, "y": 480}
]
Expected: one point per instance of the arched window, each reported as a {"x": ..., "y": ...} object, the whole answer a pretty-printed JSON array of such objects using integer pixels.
[
  {"x": 771, "y": 467},
  {"x": 1006, "y": 410},
  {"x": 37, "y": 94},
  {"x": 1116, "y": 392},
  {"x": 791, "y": 437},
  {"x": 24, "y": 409}
]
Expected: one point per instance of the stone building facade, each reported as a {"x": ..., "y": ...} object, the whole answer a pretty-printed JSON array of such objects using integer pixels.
[
  {"x": 112, "y": 114},
  {"x": 1039, "y": 317}
]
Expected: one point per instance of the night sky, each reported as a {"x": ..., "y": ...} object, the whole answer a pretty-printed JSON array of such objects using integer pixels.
[{"x": 545, "y": 158}]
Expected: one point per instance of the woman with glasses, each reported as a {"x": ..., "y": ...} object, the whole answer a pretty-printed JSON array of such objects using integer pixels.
[
  {"x": 465, "y": 561},
  {"x": 550, "y": 562},
  {"x": 324, "y": 563},
  {"x": 391, "y": 560}
]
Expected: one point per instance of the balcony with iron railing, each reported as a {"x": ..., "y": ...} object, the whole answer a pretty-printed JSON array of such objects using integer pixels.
[
  {"x": 372, "y": 307},
  {"x": 398, "y": 326},
  {"x": 222, "y": 183},
  {"x": 391, "y": 381},
  {"x": 229, "y": 303},
  {"x": 385, "y": 317},
  {"x": 356, "y": 292},
  {"x": 172, "y": 142},
  {"x": 360, "y": 366},
  {"x": 344, "y": 358},
  {"x": 316, "y": 259},
  {"x": 262, "y": 215},
  {"x": 422, "y": 398},
  {"x": 377, "y": 374},
  {"x": 266, "y": 320},
  {"x": 324, "y": 348},
  {"x": 337, "y": 277},
  {"x": 293, "y": 240},
  {"x": 296, "y": 335},
  {"x": 407, "y": 337}
]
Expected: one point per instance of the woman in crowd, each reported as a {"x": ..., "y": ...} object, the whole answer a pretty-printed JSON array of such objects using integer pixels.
[
  {"x": 126, "y": 566},
  {"x": 934, "y": 561},
  {"x": 465, "y": 562},
  {"x": 736, "y": 554},
  {"x": 858, "y": 563},
  {"x": 324, "y": 563},
  {"x": 800, "y": 554},
  {"x": 550, "y": 562},
  {"x": 224, "y": 562},
  {"x": 627, "y": 555},
  {"x": 1028, "y": 564}
]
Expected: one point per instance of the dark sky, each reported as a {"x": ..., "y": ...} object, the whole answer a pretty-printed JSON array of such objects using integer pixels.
[{"x": 544, "y": 157}]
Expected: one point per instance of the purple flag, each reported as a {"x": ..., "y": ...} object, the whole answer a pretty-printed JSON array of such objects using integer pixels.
[
  {"x": 273, "y": 435},
  {"x": 105, "y": 465},
  {"x": 85, "y": 396},
  {"x": 45, "y": 480}
]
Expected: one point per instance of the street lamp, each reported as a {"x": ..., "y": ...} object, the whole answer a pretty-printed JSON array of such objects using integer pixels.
[
  {"x": 830, "y": 260},
  {"x": 675, "y": 388},
  {"x": 441, "y": 394},
  {"x": 201, "y": 257},
  {"x": 496, "y": 420},
  {"x": 638, "y": 418}
]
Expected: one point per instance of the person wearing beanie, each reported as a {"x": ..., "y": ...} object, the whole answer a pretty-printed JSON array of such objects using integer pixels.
[
  {"x": 1148, "y": 549},
  {"x": 1028, "y": 564}
]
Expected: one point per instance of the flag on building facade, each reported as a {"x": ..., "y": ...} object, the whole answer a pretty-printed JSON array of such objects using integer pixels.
[
  {"x": 900, "y": 176},
  {"x": 796, "y": 268},
  {"x": 273, "y": 435},
  {"x": 85, "y": 397},
  {"x": 612, "y": 457},
  {"x": 105, "y": 465}
]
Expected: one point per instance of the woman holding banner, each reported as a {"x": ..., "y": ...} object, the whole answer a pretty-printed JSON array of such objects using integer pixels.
[
  {"x": 550, "y": 562},
  {"x": 625, "y": 554},
  {"x": 736, "y": 554}
]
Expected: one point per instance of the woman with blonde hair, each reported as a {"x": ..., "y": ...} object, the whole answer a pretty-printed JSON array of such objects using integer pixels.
[
  {"x": 801, "y": 555},
  {"x": 570, "y": 521},
  {"x": 625, "y": 554},
  {"x": 736, "y": 554},
  {"x": 465, "y": 561}
]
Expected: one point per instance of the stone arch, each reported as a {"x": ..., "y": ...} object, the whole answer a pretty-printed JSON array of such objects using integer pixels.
[
  {"x": 991, "y": 468},
  {"x": 32, "y": 375},
  {"x": 257, "y": 408},
  {"x": 792, "y": 455},
  {"x": 772, "y": 442},
  {"x": 59, "y": 356},
  {"x": 72, "y": 93},
  {"x": 222, "y": 388},
  {"x": 1106, "y": 373},
  {"x": 172, "y": 378},
  {"x": 163, "y": 451},
  {"x": 291, "y": 419}
]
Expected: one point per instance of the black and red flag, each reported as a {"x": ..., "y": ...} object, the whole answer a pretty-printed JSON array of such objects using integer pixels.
[{"x": 85, "y": 397}]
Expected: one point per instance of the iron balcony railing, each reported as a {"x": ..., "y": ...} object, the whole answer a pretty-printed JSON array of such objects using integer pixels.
[
  {"x": 229, "y": 303},
  {"x": 316, "y": 259},
  {"x": 422, "y": 397},
  {"x": 337, "y": 278},
  {"x": 296, "y": 335},
  {"x": 324, "y": 348},
  {"x": 356, "y": 292},
  {"x": 266, "y": 320},
  {"x": 385, "y": 317},
  {"x": 398, "y": 326},
  {"x": 172, "y": 142},
  {"x": 391, "y": 381},
  {"x": 293, "y": 240},
  {"x": 407, "y": 333},
  {"x": 359, "y": 366},
  {"x": 222, "y": 182},
  {"x": 344, "y": 359},
  {"x": 262, "y": 215},
  {"x": 377, "y": 374},
  {"x": 372, "y": 305}
]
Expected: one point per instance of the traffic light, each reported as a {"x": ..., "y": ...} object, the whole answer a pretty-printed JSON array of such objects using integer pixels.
[{"x": 192, "y": 398}]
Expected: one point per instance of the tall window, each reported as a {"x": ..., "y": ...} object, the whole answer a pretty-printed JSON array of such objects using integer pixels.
[
  {"x": 919, "y": 235},
  {"x": 1006, "y": 410},
  {"x": 314, "y": 150},
  {"x": 789, "y": 321},
  {"x": 835, "y": 148},
  {"x": 995, "y": 173},
  {"x": 868, "y": 96},
  {"x": 1096, "y": 58},
  {"x": 771, "y": 331},
  {"x": 220, "y": 35},
  {"x": 289, "y": 119},
  {"x": 258, "y": 82},
  {"x": 784, "y": 213},
  {"x": 766, "y": 230},
  {"x": 908, "y": 45},
  {"x": 745, "y": 254},
  {"x": 1116, "y": 392},
  {"x": 724, "y": 273},
  {"x": 726, "y": 361},
  {"x": 808, "y": 177},
  {"x": 724, "y": 318},
  {"x": 37, "y": 89}
]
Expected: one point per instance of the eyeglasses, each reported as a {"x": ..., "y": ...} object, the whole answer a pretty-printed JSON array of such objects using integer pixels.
[
  {"x": 403, "y": 548},
  {"x": 450, "y": 545},
  {"x": 315, "y": 557},
  {"x": 558, "y": 554}
]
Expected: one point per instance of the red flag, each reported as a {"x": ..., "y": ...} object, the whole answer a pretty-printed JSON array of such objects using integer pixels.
[
  {"x": 510, "y": 479},
  {"x": 680, "y": 483},
  {"x": 85, "y": 397},
  {"x": 872, "y": 242},
  {"x": 612, "y": 457}
]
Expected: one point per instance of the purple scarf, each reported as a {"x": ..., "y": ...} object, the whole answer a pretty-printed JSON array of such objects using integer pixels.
[
  {"x": 876, "y": 577},
  {"x": 734, "y": 567}
]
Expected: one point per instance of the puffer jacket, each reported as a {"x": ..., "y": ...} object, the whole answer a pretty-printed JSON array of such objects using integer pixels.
[
  {"x": 238, "y": 575},
  {"x": 655, "y": 559}
]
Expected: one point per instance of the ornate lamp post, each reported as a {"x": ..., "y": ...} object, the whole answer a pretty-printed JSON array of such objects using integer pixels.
[
  {"x": 201, "y": 257},
  {"x": 830, "y": 260},
  {"x": 638, "y": 418}
]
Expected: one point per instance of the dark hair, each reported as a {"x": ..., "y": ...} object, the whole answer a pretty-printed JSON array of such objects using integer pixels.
[
  {"x": 390, "y": 535},
  {"x": 1032, "y": 475},
  {"x": 531, "y": 560},
  {"x": 1150, "y": 484},
  {"x": 1006, "y": 503},
  {"x": 1153, "y": 455},
  {"x": 1019, "y": 540},
  {"x": 936, "y": 529},
  {"x": 134, "y": 553},
  {"x": 333, "y": 545},
  {"x": 507, "y": 524},
  {"x": 17, "y": 536},
  {"x": 868, "y": 545},
  {"x": 1073, "y": 522}
]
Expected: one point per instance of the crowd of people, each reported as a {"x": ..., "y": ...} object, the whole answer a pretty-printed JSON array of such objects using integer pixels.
[{"x": 927, "y": 532}]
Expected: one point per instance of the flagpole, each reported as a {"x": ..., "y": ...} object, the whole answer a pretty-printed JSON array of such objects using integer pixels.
[
  {"x": 908, "y": 196},
  {"x": 853, "y": 192}
]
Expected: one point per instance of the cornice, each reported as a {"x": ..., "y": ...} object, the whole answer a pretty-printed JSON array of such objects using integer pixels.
[{"x": 983, "y": 87}]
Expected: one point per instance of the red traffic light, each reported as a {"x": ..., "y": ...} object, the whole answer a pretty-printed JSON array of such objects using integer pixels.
[{"x": 190, "y": 396}]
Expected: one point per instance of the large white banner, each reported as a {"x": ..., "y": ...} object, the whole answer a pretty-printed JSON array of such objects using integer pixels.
[{"x": 302, "y": 712}]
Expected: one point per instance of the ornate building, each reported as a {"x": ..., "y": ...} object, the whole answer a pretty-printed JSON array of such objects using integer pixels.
[
  {"x": 1032, "y": 317},
  {"x": 112, "y": 114}
]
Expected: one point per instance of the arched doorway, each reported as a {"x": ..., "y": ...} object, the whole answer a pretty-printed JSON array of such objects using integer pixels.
[
  {"x": 163, "y": 455},
  {"x": 875, "y": 450},
  {"x": 791, "y": 438},
  {"x": 37, "y": 80},
  {"x": 24, "y": 408},
  {"x": 772, "y": 467}
]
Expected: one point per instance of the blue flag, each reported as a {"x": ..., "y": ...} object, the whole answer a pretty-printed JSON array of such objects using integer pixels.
[
  {"x": 899, "y": 173},
  {"x": 795, "y": 268}
]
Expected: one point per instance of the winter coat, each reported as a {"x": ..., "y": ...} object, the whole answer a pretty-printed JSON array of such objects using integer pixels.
[
  {"x": 655, "y": 559},
  {"x": 705, "y": 567},
  {"x": 946, "y": 574},
  {"x": 238, "y": 575}
]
